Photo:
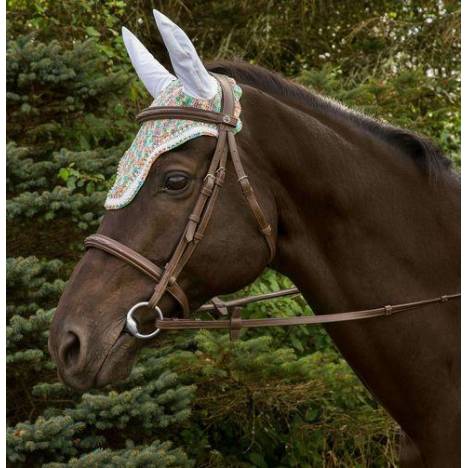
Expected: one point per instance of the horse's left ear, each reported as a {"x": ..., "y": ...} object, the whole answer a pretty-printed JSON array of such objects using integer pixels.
[
  {"x": 153, "y": 75},
  {"x": 188, "y": 67}
]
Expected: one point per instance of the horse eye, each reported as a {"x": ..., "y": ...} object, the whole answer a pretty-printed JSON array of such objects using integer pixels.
[{"x": 176, "y": 182}]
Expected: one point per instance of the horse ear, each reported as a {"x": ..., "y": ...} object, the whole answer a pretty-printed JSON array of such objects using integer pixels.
[
  {"x": 188, "y": 67},
  {"x": 153, "y": 75}
]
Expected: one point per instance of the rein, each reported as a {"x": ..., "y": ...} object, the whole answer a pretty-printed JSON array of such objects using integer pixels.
[
  {"x": 236, "y": 323},
  {"x": 166, "y": 278}
]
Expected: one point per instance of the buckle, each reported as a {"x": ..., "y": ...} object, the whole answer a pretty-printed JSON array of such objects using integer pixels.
[
  {"x": 208, "y": 176},
  {"x": 208, "y": 184},
  {"x": 230, "y": 121}
]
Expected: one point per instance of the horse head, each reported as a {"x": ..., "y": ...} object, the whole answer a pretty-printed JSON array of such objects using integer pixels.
[{"x": 155, "y": 201}]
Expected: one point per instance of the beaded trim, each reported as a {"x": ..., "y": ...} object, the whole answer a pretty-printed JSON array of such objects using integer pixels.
[{"x": 159, "y": 136}]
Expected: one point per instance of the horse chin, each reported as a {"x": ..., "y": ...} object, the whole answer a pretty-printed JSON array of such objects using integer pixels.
[{"x": 118, "y": 363}]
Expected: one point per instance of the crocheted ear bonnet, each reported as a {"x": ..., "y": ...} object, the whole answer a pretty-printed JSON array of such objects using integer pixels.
[{"x": 159, "y": 136}]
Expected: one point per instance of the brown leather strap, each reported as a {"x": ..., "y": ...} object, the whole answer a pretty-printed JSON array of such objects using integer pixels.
[
  {"x": 187, "y": 113},
  {"x": 128, "y": 255},
  {"x": 238, "y": 323},
  {"x": 209, "y": 306},
  {"x": 197, "y": 223},
  {"x": 220, "y": 306},
  {"x": 249, "y": 194},
  {"x": 204, "y": 219}
]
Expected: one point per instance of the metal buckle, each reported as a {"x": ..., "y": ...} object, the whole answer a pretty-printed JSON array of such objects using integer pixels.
[
  {"x": 132, "y": 325},
  {"x": 208, "y": 176}
]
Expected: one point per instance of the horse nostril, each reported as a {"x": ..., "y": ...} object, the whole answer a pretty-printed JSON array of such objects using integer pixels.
[{"x": 70, "y": 349}]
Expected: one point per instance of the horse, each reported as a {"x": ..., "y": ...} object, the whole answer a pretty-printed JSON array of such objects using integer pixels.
[{"x": 363, "y": 213}]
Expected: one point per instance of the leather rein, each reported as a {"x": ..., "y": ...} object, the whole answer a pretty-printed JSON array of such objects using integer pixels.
[{"x": 166, "y": 278}]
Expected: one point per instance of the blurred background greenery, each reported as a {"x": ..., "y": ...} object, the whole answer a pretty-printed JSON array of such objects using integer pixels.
[{"x": 282, "y": 398}]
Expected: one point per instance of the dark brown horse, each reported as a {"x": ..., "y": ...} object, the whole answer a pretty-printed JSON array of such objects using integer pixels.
[{"x": 364, "y": 214}]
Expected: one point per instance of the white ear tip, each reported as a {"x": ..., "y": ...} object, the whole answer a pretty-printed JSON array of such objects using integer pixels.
[
  {"x": 128, "y": 37},
  {"x": 160, "y": 18},
  {"x": 167, "y": 26},
  {"x": 187, "y": 64},
  {"x": 126, "y": 33}
]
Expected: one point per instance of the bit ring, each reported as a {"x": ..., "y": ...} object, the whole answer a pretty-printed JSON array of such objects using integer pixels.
[{"x": 132, "y": 325}]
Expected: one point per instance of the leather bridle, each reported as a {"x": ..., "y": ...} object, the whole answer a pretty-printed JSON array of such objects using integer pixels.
[{"x": 166, "y": 278}]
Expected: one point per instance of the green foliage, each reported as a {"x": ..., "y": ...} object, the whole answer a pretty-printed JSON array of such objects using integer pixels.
[
  {"x": 54, "y": 435},
  {"x": 156, "y": 454},
  {"x": 284, "y": 36},
  {"x": 303, "y": 339},
  {"x": 281, "y": 398},
  {"x": 63, "y": 93},
  {"x": 32, "y": 281},
  {"x": 88, "y": 422},
  {"x": 256, "y": 395},
  {"x": 53, "y": 91},
  {"x": 83, "y": 209}
]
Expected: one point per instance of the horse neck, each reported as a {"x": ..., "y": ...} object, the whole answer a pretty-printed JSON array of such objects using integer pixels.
[
  {"x": 360, "y": 225},
  {"x": 360, "y": 222}
]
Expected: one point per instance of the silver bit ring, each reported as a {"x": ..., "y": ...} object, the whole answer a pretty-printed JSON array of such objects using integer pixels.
[{"x": 132, "y": 325}]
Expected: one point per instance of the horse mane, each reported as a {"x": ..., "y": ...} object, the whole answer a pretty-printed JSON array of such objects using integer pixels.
[{"x": 428, "y": 156}]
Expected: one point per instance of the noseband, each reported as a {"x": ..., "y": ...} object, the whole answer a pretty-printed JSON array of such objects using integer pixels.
[{"x": 166, "y": 278}]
